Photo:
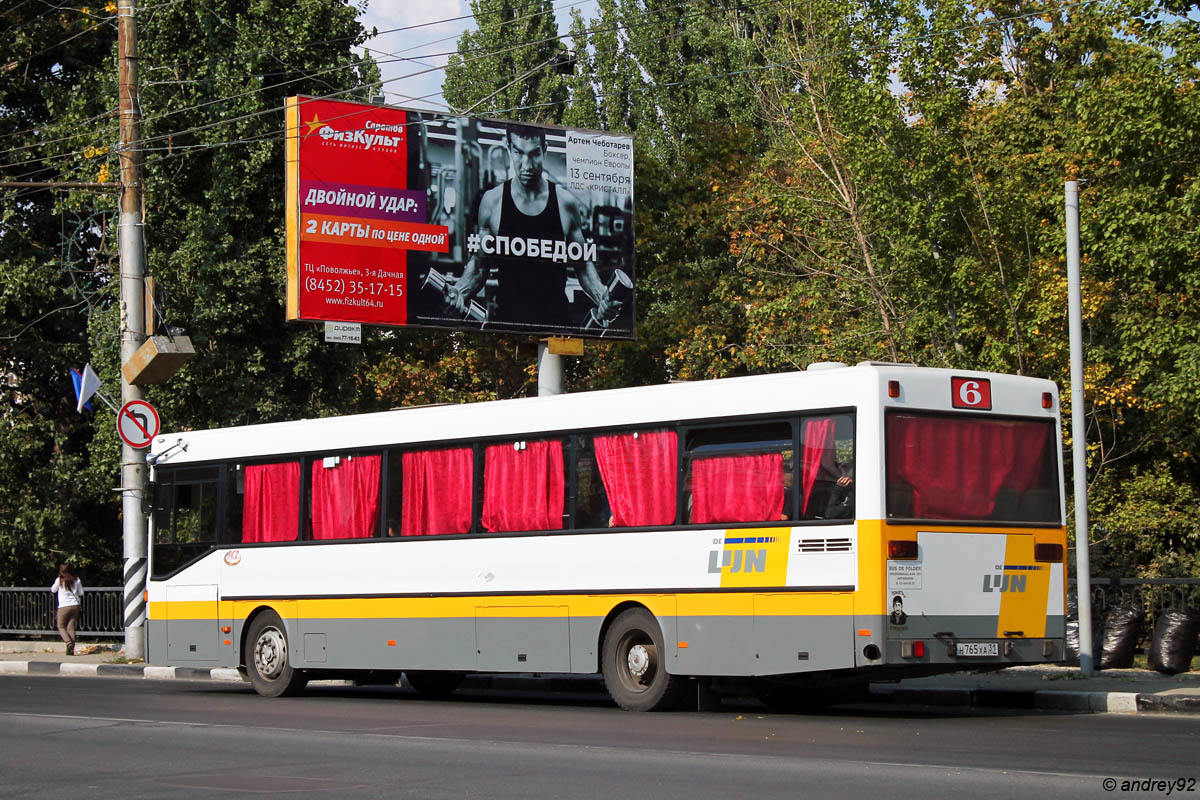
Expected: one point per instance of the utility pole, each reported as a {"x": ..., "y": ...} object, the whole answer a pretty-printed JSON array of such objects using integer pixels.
[
  {"x": 133, "y": 324},
  {"x": 1083, "y": 569}
]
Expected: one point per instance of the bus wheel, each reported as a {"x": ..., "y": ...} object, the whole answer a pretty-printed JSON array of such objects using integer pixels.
[
  {"x": 632, "y": 662},
  {"x": 267, "y": 662},
  {"x": 434, "y": 684}
]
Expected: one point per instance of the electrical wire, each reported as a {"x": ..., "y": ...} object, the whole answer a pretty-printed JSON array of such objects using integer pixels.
[
  {"x": 280, "y": 133},
  {"x": 484, "y": 54}
]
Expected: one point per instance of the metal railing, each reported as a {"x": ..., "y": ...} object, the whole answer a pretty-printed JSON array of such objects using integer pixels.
[
  {"x": 1152, "y": 595},
  {"x": 34, "y": 612}
]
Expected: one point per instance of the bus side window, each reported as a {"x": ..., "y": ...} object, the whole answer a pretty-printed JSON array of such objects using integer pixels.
[
  {"x": 436, "y": 491},
  {"x": 344, "y": 496},
  {"x": 592, "y": 509},
  {"x": 827, "y": 467},
  {"x": 524, "y": 486},
  {"x": 185, "y": 519},
  {"x": 740, "y": 473},
  {"x": 271, "y": 502},
  {"x": 640, "y": 474},
  {"x": 235, "y": 493}
]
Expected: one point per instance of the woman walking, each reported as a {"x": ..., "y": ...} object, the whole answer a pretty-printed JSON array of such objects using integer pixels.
[{"x": 70, "y": 593}]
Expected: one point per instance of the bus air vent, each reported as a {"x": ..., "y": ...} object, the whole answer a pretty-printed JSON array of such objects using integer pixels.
[{"x": 835, "y": 545}]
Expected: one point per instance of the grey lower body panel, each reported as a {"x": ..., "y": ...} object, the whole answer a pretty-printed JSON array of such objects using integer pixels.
[
  {"x": 713, "y": 645},
  {"x": 941, "y": 635},
  {"x": 695, "y": 645}
]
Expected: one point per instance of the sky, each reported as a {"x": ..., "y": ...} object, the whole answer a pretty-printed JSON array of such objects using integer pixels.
[{"x": 402, "y": 86}]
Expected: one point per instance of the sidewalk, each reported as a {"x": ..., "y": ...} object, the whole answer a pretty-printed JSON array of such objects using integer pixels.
[{"x": 1122, "y": 691}]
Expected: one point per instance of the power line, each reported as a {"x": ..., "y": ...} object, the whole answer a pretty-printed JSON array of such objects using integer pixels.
[
  {"x": 484, "y": 54},
  {"x": 648, "y": 87},
  {"x": 334, "y": 40},
  {"x": 487, "y": 54},
  {"x": 280, "y": 133}
]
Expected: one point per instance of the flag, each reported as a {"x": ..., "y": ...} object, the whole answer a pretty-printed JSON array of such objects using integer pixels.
[{"x": 85, "y": 385}]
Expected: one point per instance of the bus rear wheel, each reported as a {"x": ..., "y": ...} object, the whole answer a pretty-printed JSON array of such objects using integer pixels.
[
  {"x": 267, "y": 661},
  {"x": 434, "y": 684},
  {"x": 633, "y": 663}
]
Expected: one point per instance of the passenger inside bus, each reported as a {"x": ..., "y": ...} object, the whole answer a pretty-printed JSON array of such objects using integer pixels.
[{"x": 841, "y": 495}]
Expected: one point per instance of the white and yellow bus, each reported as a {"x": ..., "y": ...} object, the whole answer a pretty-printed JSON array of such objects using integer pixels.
[{"x": 801, "y": 530}]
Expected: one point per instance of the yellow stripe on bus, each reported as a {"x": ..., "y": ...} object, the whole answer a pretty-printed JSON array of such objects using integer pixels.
[
  {"x": 1023, "y": 591},
  {"x": 872, "y": 565},
  {"x": 529, "y": 606}
]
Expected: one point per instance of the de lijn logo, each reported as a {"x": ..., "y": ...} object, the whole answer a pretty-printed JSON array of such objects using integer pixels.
[
  {"x": 737, "y": 555},
  {"x": 1006, "y": 582},
  {"x": 737, "y": 560}
]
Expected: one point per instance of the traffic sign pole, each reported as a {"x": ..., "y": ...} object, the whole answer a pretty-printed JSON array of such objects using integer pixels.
[{"x": 131, "y": 248}]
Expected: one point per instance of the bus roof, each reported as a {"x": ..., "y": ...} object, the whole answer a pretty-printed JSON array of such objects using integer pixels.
[{"x": 823, "y": 386}]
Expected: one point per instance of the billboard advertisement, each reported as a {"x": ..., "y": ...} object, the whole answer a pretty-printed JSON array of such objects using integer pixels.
[{"x": 415, "y": 218}]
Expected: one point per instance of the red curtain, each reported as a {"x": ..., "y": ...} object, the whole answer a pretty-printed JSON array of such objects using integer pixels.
[
  {"x": 956, "y": 466},
  {"x": 818, "y": 454},
  {"x": 639, "y": 474},
  {"x": 737, "y": 488},
  {"x": 523, "y": 489},
  {"x": 271, "y": 503},
  {"x": 437, "y": 490},
  {"x": 345, "y": 498}
]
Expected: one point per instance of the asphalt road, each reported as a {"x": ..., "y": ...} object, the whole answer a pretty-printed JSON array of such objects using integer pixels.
[{"x": 82, "y": 737}]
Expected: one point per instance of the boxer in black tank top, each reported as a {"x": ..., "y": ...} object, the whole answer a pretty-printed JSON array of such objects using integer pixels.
[
  {"x": 530, "y": 289},
  {"x": 527, "y": 252}
]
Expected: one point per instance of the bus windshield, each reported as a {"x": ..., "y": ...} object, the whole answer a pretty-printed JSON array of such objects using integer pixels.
[{"x": 957, "y": 467}]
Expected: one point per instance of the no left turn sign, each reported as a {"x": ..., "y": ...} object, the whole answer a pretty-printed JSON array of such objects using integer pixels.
[{"x": 137, "y": 423}]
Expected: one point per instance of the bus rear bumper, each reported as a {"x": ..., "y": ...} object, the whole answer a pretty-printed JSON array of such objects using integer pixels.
[{"x": 975, "y": 652}]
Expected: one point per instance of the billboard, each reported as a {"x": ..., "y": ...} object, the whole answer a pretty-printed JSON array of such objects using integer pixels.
[{"x": 415, "y": 218}]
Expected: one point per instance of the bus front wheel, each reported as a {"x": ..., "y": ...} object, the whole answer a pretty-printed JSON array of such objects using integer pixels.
[
  {"x": 267, "y": 662},
  {"x": 633, "y": 663}
]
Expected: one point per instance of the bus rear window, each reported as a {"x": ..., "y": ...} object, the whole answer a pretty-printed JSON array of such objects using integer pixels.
[{"x": 971, "y": 468}]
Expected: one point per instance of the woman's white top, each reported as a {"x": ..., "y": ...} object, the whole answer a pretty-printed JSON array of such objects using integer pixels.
[{"x": 67, "y": 597}]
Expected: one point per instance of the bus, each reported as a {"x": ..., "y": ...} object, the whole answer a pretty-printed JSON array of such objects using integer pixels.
[{"x": 793, "y": 533}]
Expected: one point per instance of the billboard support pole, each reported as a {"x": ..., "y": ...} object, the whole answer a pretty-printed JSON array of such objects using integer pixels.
[{"x": 549, "y": 370}]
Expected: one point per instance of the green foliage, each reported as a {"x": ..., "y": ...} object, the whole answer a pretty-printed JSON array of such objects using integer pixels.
[
  {"x": 55, "y": 498},
  {"x": 506, "y": 65}
]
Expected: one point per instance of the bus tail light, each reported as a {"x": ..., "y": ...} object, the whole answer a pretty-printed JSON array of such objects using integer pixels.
[
  {"x": 902, "y": 549},
  {"x": 1047, "y": 400},
  {"x": 912, "y": 649},
  {"x": 1048, "y": 552},
  {"x": 893, "y": 388}
]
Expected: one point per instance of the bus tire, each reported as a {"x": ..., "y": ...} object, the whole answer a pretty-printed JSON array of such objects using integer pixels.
[
  {"x": 633, "y": 662},
  {"x": 267, "y": 660},
  {"x": 434, "y": 684}
]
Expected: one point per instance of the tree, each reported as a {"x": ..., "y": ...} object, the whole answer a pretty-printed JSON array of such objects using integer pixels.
[
  {"x": 55, "y": 498},
  {"x": 506, "y": 67},
  {"x": 214, "y": 79}
]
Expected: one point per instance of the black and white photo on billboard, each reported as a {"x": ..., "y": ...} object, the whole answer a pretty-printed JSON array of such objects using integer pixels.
[{"x": 540, "y": 222}]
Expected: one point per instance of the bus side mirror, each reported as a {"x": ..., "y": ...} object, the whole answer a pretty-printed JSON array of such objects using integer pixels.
[{"x": 150, "y": 498}]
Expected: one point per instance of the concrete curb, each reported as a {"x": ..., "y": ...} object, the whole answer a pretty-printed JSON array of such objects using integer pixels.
[
  {"x": 1043, "y": 699},
  {"x": 118, "y": 671},
  {"x": 1095, "y": 702}
]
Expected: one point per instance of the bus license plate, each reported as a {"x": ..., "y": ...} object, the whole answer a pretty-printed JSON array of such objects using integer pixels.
[{"x": 977, "y": 648}]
